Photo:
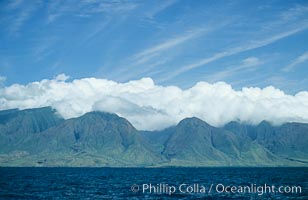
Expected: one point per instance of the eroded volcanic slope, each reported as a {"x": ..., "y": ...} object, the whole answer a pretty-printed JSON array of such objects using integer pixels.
[{"x": 39, "y": 137}]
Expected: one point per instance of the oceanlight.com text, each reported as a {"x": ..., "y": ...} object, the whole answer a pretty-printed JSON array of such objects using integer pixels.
[{"x": 220, "y": 188}]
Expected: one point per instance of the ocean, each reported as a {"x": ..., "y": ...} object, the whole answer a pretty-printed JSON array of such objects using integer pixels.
[{"x": 153, "y": 183}]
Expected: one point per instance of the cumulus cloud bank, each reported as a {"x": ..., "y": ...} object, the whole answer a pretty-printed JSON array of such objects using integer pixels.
[{"x": 148, "y": 106}]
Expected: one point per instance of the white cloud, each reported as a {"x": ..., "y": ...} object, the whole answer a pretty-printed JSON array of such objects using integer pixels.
[
  {"x": 149, "y": 106},
  {"x": 297, "y": 61},
  {"x": 61, "y": 77}
]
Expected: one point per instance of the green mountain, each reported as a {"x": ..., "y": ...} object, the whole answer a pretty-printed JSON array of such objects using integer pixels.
[
  {"x": 193, "y": 142},
  {"x": 94, "y": 139},
  {"x": 288, "y": 141},
  {"x": 17, "y": 125},
  {"x": 39, "y": 137}
]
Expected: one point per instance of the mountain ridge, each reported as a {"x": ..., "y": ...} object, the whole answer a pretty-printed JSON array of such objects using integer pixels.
[{"x": 40, "y": 137}]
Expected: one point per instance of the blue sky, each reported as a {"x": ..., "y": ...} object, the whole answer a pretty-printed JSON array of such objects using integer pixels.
[{"x": 243, "y": 43}]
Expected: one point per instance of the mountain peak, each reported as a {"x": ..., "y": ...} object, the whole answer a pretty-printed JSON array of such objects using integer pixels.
[
  {"x": 101, "y": 114},
  {"x": 264, "y": 123},
  {"x": 192, "y": 121},
  {"x": 6, "y": 115},
  {"x": 108, "y": 117},
  {"x": 40, "y": 109}
]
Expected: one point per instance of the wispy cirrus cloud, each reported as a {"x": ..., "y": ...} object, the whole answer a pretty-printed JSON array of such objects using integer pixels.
[
  {"x": 161, "y": 7},
  {"x": 169, "y": 43},
  {"x": 254, "y": 44},
  {"x": 14, "y": 4},
  {"x": 151, "y": 56},
  {"x": 155, "y": 55},
  {"x": 44, "y": 47},
  {"x": 294, "y": 12},
  {"x": 2, "y": 80},
  {"x": 299, "y": 60},
  {"x": 21, "y": 17},
  {"x": 113, "y": 6},
  {"x": 87, "y": 8},
  {"x": 249, "y": 63}
]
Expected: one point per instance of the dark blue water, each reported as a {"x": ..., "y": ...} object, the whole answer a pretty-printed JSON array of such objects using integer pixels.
[{"x": 118, "y": 183}]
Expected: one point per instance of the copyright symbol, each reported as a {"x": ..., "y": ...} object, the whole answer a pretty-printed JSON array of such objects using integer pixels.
[{"x": 135, "y": 188}]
